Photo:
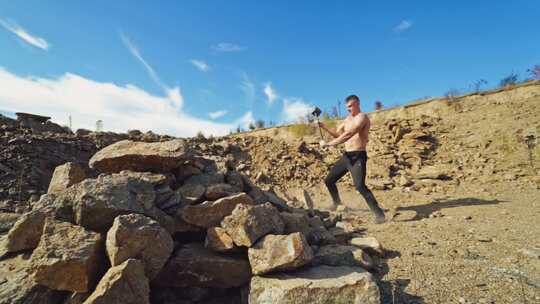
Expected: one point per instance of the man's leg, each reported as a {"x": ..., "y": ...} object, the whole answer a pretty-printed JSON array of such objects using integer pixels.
[
  {"x": 336, "y": 172},
  {"x": 358, "y": 171}
]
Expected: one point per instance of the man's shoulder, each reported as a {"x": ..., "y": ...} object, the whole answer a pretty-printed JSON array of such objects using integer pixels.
[{"x": 361, "y": 117}]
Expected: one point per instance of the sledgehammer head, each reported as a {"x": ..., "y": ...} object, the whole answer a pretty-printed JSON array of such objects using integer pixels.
[{"x": 316, "y": 112}]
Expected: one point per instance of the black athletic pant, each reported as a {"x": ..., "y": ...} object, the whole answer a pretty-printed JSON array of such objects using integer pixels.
[{"x": 354, "y": 162}]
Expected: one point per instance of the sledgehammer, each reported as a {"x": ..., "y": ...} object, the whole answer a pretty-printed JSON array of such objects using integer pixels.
[{"x": 317, "y": 112}]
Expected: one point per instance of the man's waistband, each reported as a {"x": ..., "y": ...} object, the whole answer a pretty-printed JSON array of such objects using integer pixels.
[{"x": 355, "y": 153}]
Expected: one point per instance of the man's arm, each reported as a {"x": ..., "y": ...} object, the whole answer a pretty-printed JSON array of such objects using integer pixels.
[
  {"x": 358, "y": 124},
  {"x": 335, "y": 133}
]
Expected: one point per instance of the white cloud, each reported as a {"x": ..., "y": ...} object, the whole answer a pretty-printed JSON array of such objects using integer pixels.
[
  {"x": 24, "y": 35},
  {"x": 173, "y": 94},
  {"x": 295, "y": 108},
  {"x": 225, "y": 47},
  {"x": 119, "y": 107},
  {"x": 403, "y": 26},
  {"x": 217, "y": 114},
  {"x": 270, "y": 93},
  {"x": 201, "y": 65},
  {"x": 247, "y": 87}
]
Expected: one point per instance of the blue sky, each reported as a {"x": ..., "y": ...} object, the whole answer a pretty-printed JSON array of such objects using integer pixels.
[{"x": 183, "y": 66}]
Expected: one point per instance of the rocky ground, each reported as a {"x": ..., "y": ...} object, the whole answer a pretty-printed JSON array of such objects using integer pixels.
[{"x": 457, "y": 177}]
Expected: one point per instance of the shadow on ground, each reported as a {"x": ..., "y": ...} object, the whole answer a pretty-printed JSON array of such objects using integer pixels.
[
  {"x": 393, "y": 291},
  {"x": 424, "y": 211}
]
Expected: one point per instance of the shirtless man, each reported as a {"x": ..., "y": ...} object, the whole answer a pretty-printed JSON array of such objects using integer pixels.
[{"x": 354, "y": 132}]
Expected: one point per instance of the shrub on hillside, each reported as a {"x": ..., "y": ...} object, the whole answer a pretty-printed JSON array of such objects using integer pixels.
[
  {"x": 534, "y": 72},
  {"x": 378, "y": 105},
  {"x": 509, "y": 80},
  {"x": 477, "y": 85}
]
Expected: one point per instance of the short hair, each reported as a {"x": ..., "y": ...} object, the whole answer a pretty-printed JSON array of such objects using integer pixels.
[{"x": 353, "y": 98}]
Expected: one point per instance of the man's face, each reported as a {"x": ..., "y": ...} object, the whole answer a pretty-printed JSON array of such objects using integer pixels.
[{"x": 353, "y": 107}]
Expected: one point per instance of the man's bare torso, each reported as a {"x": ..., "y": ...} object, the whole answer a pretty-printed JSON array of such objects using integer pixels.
[{"x": 358, "y": 141}]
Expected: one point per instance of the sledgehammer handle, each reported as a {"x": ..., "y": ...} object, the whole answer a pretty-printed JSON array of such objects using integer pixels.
[{"x": 318, "y": 125}]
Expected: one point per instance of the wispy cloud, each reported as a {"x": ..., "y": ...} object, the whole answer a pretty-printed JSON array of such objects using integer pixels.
[
  {"x": 217, "y": 114},
  {"x": 403, "y": 26},
  {"x": 119, "y": 107},
  {"x": 201, "y": 65},
  {"x": 224, "y": 47},
  {"x": 248, "y": 87},
  {"x": 134, "y": 50},
  {"x": 295, "y": 108},
  {"x": 270, "y": 92},
  {"x": 24, "y": 35},
  {"x": 173, "y": 93}
]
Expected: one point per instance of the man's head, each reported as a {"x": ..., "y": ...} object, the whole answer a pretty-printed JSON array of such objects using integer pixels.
[{"x": 353, "y": 104}]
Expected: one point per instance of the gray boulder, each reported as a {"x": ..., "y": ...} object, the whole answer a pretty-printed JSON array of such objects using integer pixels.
[
  {"x": 279, "y": 252},
  {"x": 139, "y": 237},
  {"x": 248, "y": 223},
  {"x": 316, "y": 285}
]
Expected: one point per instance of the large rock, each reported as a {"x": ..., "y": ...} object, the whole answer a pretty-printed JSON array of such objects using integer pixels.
[
  {"x": 139, "y": 237},
  {"x": 217, "y": 191},
  {"x": 122, "y": 284},
  {"x": 67, "y": 257},
  {"x": 441, "y": 171},
  {"x": 7, "y": 220},
  {"x": 141, "y": 156},
  {"x": 316, "y": 285},
  {"x": 248, "y": 223},
  {"x": 342, "y": 255},
  {"x": 24, "y": 234},
  {"x": 279, "y": 252},
  {"x": 65, "y": 176},
  {"x": 195, "y": 266},
  {"x": 206, "y": 179},
  {"x": 218, "y": 240},
  {"x": 312, "y": 228},
  {"x": 209, "y": 214},
  {"x": 369, "y": 244},
  {"x": 17, "y": 287},
  {"x": 95, "y": 203},
  {"x": 191, "y": 193}
]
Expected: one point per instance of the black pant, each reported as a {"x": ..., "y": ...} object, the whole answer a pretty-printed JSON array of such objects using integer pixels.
[{"x": 354, "y": 162}]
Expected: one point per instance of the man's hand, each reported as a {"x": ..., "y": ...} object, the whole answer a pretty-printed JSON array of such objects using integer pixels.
[{"x": 323, "y": 144}]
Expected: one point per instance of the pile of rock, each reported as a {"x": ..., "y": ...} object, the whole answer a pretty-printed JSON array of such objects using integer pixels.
[
  {"x": 162, "y": 224},
  {"x": 401, "y": 154},
  {"x": 31, "y": 147}
]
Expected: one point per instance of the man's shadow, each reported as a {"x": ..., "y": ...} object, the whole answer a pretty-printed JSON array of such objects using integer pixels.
[{"x": 424, "y": 211}]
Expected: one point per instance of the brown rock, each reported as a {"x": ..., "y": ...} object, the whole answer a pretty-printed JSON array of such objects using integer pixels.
[
  {"x": 195, "y": 266},
  {"x": 370, "y": 244},
  {"x": 209, "y": 214},
  {"x": 122, "y": 284},
  {"x": 217, "y": 191},
  {"x": 316, "y": 285},
  {"x": 7, "y": 220},
  {"x": 65, "y": 176},
  {"x": 141, "y": 156},
  {"x": 248, "y": 223},
  {"x": 279, "y": 252},
  {"x": 218, "y": 240},
  {"x": 25, "y": 234},
  {"x": 340, "y": 255},
  {"x": 67, "y": 257},
  {"x": 192, "y": 193},
  {"x": 139, "y": 237}
]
